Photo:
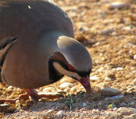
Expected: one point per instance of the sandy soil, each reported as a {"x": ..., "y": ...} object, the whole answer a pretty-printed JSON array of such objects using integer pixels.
[{"x": 108, "y": 30}]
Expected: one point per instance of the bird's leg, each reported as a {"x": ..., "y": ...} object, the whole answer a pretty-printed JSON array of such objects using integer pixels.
[
  {"x": 32, "y": 93},
  {"x": 35, "y": 96},
  {"x": 10, "y": 101}
]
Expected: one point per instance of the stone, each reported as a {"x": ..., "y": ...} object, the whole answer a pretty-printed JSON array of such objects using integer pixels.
[
  {"x": 10, "y": 87},
  {"x": 135, "y": 57},
  {"x": 94, "y": 78},
  {"x": 129, "y": 117},
  {"x": 114, "y": 5},
  {"x": 48, "y": 114},
  {"x": 65, "y": 85},
  {"x": 48, "y": 89},
  {"x": 84, "y": 104},
  {"x": 134, "y": 82},
  {"x": 59, "y": 115},
  {"x": 119, "y": 68},
  {"x": 109, "y": 91},
  {"x": 73, "y": 89},
  {"x": 126, "y": 111},
  {"x": 107, "y": 31},
  {"x": 107, "y": 79},
  {"x": 127, "y": 28}
]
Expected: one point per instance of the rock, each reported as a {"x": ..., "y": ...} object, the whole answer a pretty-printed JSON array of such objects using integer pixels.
[
  {"x": 81, "y": 38},
  {"x": 82, "y": 26},
  {"x": 132, "y": 116},
  {"x": 110, "y": 76},
  {"x": 126, "y": 111},
  {"x": 48, "y": 114},
  {"x": 107, "y": 31},
  {"x": 127, "y": 28},
  {"x": 100, "y": 69},
  {"x": 94, "y": 78},
  {"x": 109, "y": 92},
  {"x": 134, "y": 82},
  {"x": 129, "y": 117},
  {"x": 73, "y": 89},
  {"x": 84, "y": 104},
  {"x": 135, "y": 57},
  {"x": 10, "y": 87},
  {"x": 133, "y": 17},
  {"x": 63, "y": 106},
  {"x": 4, "y": 107},
  {"x": 9, "y": 90},
  {"x": 59, "y": 115},
  {"x": 114, "y": 5},
  {"x": 107, "y": 79},
  {"x": 123, "y": 104},
  {"x": 119, "y": 68},
  {"x": 118, "y": 97},
  {"x": 48, "y": 89},
  {"x": 65, "y": 85},
  {"x": 95, "y": 111},
  {"x": 132, "y": 88},
  {"x": 1, "y": 86},
  {"x": 70, "y": 8}
]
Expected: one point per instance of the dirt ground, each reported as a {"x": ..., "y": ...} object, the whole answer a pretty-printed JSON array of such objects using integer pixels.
[{"x": 108, "y": 30}]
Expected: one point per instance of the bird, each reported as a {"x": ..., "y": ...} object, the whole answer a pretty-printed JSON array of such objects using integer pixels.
[{"x": 38, "y": 48}]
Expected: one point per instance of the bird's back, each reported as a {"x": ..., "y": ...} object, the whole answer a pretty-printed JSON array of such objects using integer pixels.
[
  {"x": 21, "y": 17},
  {"x": 28, "y": 22}
]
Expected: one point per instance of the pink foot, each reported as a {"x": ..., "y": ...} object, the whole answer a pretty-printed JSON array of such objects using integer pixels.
[{"x": 34, "y": 96}]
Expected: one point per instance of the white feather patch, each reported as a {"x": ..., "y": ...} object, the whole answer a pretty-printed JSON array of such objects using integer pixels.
[{"x": 60, "y": 69}]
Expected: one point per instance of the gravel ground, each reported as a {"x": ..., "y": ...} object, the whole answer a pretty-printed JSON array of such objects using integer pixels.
[{"x": 108, "y": 30}]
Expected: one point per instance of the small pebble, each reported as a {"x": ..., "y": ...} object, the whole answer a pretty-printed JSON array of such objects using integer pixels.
[
  {"x": 123, "y": 104},
  {"x": 94, "y": 78},
  {"x": 100, "y": 69},
  {"x": 107, "y": 31},
  {"x": 59, "y": 115},
  {"x": 73, "y": 89},
  {"x": 9, "y": 90},
  {"x": 10, "y": 87},
  {"x": 107, "y": 79},
  {"x": 49, "y": 113},
  {"x": 127, "y": 111},
  {"x": 47, "y": 89},
  {"x": 84, "y": 104},
  {"x": 127, "y": 28},
  {"x": 135, "y": 57},
  {"x": 94, "y": 111},
  {"x": 4, "y": 107},
  {"x": 118, "y": 97},
  {"x": 134, "y": 82},
  {"x": 109, "y": 92},
  {"x": 114, "y": 5},
  {"x": 119, "y": 68},
  {"x": 65, "y": 85},
  {"x": 129, "y": 117}
]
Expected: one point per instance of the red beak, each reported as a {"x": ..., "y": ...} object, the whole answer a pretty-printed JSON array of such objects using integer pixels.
[{"x": 85, "y": 81}]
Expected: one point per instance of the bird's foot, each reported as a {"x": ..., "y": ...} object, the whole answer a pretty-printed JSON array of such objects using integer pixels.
[
  {"x": 10, "y": 101},
  {"x": 36, "y": 96}
]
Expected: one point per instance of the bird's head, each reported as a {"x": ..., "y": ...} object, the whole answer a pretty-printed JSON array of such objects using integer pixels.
[{"x": 71, "y": 59}]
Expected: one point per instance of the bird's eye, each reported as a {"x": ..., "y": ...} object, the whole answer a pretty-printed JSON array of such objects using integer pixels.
[{"x": 71, "y": 68}]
